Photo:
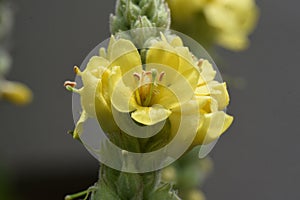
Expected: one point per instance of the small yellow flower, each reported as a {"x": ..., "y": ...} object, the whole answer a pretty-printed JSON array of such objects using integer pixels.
[
  {"x": 171, "y": 78},
  {"x": 224, "y": 22},
  {"x": 15, "y": 92}
]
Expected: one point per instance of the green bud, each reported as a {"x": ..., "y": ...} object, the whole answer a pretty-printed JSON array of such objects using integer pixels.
[
  {"x": 117, "y": 24},
  {"x": 130, "y": 186},
  {"x": 132, "y": 14},
  {"x": 109, "y": 176},
  {"x": 104, "y": 192}
]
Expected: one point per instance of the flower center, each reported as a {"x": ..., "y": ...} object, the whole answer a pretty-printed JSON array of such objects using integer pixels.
[{"x": 147, "y": 86}]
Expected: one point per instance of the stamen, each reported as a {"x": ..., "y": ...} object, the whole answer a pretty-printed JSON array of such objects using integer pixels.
[
  {"x": 77, "y": 70},
  {"x": 70, "y": 83},
  {"x": 161, "y": 75},
  {"x": 137, "y": 76},
  {"x": 200, "y": 62}
]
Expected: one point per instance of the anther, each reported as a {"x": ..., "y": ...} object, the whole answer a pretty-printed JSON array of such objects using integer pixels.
[
  {"x": 77, "y": 70},
  {"x": 200, "y": 62},
  {"x": 161, "y": 75},
  {"x": 70, "y": 83},
  {"x": 137, "y": 76}
]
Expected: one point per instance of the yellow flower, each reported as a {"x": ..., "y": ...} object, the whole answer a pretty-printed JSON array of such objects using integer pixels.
[
  {"x": 224, "y": 22},
  {"x": 15, "y": 92},
  {"x": 170, "y": 79}
]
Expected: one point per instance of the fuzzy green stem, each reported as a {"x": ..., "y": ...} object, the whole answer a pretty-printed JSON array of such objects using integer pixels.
[{"x": 116, "y": 185}]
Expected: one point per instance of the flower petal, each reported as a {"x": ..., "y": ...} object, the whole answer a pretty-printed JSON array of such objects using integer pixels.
[
  {"x": 79, "y": 125},
  {"x": 88, "y": 92},
  {"x": 124, "y": 54},
  {"x": 219, "y": 93},
  {"x": 177, "y": 59},
  {"x": 150, "y": 115},
  {"x": 185, "y": 118},
  {"x": 212, "y": 126},
  {"x": 96, "y": 66},
  {"x": 164, "y": 54},
  {"x": 119, "y": 89},
  {"x": 165, "y": 97},
  {"x": 103, "y": 112},
  {"x": 207, "y": 72}
]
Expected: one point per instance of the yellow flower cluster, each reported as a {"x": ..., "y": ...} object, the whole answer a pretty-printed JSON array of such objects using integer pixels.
[
  {"x": 224, "y": 22},
  {"x": 154, "y": 91}
]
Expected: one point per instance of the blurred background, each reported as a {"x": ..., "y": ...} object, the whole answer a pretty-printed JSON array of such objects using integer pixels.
[{"x": 258, "y": 158}]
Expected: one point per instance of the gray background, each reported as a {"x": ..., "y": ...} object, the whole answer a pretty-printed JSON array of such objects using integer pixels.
[{"x": 258, "y": 158}]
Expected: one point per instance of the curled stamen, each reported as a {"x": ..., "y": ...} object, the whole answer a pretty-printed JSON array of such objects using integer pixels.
[
  {"x": 137, "y": 76},
  {"x": 161, "y": 76},
  {"x": 200, "y": 62},
  {"x": 70, "y": 83}
]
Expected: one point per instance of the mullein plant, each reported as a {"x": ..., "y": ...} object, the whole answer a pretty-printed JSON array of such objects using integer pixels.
[
  {"x": 146, "y": 80},
  {"x": 13, "y": 92}
]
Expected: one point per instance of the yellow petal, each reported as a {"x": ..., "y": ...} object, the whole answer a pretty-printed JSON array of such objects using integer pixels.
[
  {"x": 164, "y": 54},
  {"x": 150, "y": 115},
  {"x": 185, "y": 118},
  {"x": 212, "y": 126},
  {"x": 96, "y": 66},
  {"x": 121, "y": 89},
  {"x": 103, "y": 112},
  {"x": 124, "y": 54},
  {"x": 165, "y": 97},
  {"x": 178, "y": 60},
  {"x": 204, "y": 103},
  {"x": 79, "y": 125},
  {"x": 123, "y": 99},
  {"x": 88, "y": 92},
  {"x": 207, "y": 104},
  {"x": 219, "y": 93},
  {"x": 112, "y": 41},
  {"x": 203, "y": 90},
  {"x": 207, "y": 72},
  {"x": 176, "y": 42}
]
